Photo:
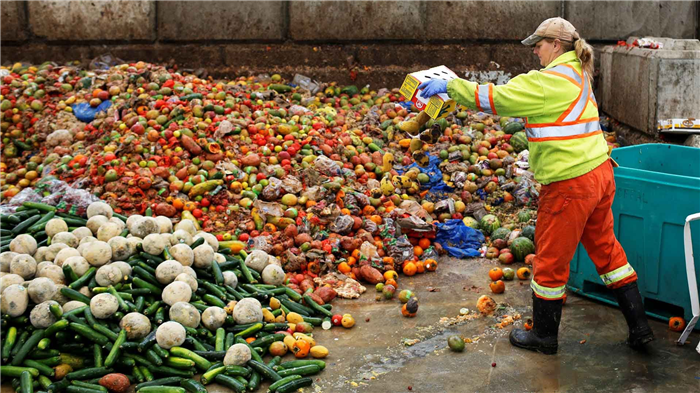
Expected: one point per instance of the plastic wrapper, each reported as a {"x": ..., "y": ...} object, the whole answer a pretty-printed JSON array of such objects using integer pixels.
[
  {"x": 53, "y": 192},
  {"x": 86, "y": 113},
  {"x": 387, "y": 230},
  {"x": 445, "y": 206},
  {"x": 400, "y": 249},
  {"x": 314, "y": 193},
  {"x": 526, "y": 190},
  {"x": 370, "y": 226},
  {"x": 459, "y": 240},
  {"x": 262, "y": 243},
  {"x": 342, "y": 225},
  {"x": 368, "y": 251},
  {"x": 327, "y": 166},
  {"x": 430, "y": 253},
  {"x": 413, "y": 208},
  {"x": 291, "y": 185},
  {"x": 273, "y": 191},
  {"x": 269, "y": 209}
]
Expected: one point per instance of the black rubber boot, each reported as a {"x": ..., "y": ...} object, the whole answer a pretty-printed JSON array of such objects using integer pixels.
[
  {"x": 632, "y": 307},
  {"x": 546, "y": 315}
]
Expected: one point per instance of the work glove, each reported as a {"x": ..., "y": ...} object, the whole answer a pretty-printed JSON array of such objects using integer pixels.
[{"x": 433, "y": 87}]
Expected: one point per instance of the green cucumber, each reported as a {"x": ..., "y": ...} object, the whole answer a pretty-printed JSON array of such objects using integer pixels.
[
  {"x": 16, "y": 371},
  {"x": 28, "y": 345},
  {"x": 273, "y": 387},
  {"x": 88, "y": 333},
  {"x": 316, "y": 307},
  {"x": 294, "y": 385},
  {"x": 230, "y": 382},
  {"x": 84, "y": 279},
  {"x": 250, "y": 331},
  {"x": 159, "y": 382},
  {"x": 265, "y": 342},
  {"x": 199, "y": 361},
  {"x": 89, "y": 373},
  {"x": 178, "y": 362},
  {"x": 266, "y": 372},
  {"x": 89, "y": 386},
  {"x": 39, "y": 206},
  {"x": 26, "y": 382},
  {"x": 161, "y": 389},
  {"x": 302, "y": 370},
  {"x": 299, "y": 363},
  {"x": 75, "y": 295},
  {"x": 208, "y": 377},
  {"x": 109, "y": 361},
  {"x": 193, "y": 386},
  {"x": 43, "y": 368},
  {"x": 139, "y": 283},
  {"x": 8, "y": 343},
  {"x": 98, "y": 360}
]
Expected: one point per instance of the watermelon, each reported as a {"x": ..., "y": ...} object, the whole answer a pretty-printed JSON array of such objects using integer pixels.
[
  {"x": 471, "y": 222},
  {"x": 512, "y": 127},
  {"x": 529, "y": 232},
  {"x": 524, "y": 216},
  {"x": 500, "y": 233},
  {"x": 519, "y": 141},
  {"x": 521, "y": 248},
  {"x": 489, "y": 223}
]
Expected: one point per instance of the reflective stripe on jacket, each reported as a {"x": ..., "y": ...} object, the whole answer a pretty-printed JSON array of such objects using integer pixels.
[{"x": 565, "y": 139}]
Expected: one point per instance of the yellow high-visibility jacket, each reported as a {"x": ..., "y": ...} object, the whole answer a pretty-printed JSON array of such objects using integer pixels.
[{"x": 564, "y": 136}]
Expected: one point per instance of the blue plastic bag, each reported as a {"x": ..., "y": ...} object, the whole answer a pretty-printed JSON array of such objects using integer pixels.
[
  {"x": 459, "y": 240},
  {"x": 86, "y": 113}
]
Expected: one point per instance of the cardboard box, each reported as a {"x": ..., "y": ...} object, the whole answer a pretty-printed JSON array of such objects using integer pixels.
[{"x": 438, "y": 106}]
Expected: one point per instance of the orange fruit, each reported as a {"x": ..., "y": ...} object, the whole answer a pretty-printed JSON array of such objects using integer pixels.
[
  {"x": 496, "y": 273},
  {"x": 431, "y": 265},
  {"x": 497, "y": 286},
  {"x": 420, "y": 268},
  {"x": 418, "y": 250},
  {"x": 523, "y": 273},
  {"x": 409, "y": 269},
  {"x": 344, "y": 268},
  {"x": 390, "y": 275},
  {"x": 424, "y": 243}
]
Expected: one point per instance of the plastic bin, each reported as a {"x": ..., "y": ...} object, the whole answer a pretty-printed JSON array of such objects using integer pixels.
[{"x": 658, "y": 186}]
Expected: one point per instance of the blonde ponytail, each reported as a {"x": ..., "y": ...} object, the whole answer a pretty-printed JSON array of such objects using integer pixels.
[{"x": 584, "y": 52}]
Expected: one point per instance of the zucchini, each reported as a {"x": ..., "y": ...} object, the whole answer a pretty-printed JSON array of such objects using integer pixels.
[
  {"x": 265, "y": 342},
  {"x": 298, "y": 363},
  {"x": 178, "y": 362},
  {"x": 199, "y": 361},
  {"x": 250, "y": 331},
  {"x": 214, "y": 301},
  {"x": 211, "y": 288},
  {"x": 39, "y": 206},
  {"x": 218, "y": 275},
  {"x": 220, "y": 339},
  {"x": 114, "y": 353},
  {"x": 89, "y": 373},
  {"x": 44, "y": 382},
  {"x": 122, "y": 304},
  {"x": 172, "y": 371},
  {"x": 75, "y": 295},
  {"x": 230, "y": 382},
  {"x": 160, "y": 351},
  {"x": 152, "y": 308},
  {"x": 20, "y": 228},
  {"x": 28, "y": 345},
  {"x": 237, "y": 371},
  {"x": 88, "y": 333},
  {"x": 229, "y": 340},
  {"x": 212, "y": 355},
  {"x": 26, "y": 382},
  {"x": 316, "y": 307},
  {"x": 41, "y": 224},
  {"x": 247, "y": 274},
  {"x": 8, "y": 343},
  {"x": 193, "y": 386},
  {"x": 266, "y": 372},
  {"x": 153, "y": 357},
  {"x": 159, "y": 382},
  {"x": 138, "y": 375},
  {"x": 70, "y": 275},
  {"x": 89, "y": 386},
  {"x": 209, "y": 376},
  {"x": 147, "y": 375},
  {"x": 98, "y": 360},
  {"x": 273, "y": 327},
  {"x": 273, "y": 387},
  {"x": 139, "y": 283},
  {"x": 83, "y": 280},
  {"x": 294, "y": 295},
  {"x": 19, "y": 343},
  {"x": 80, "y": 389},
  {"x": 105, "y": 331},
  {"x": 161, "y": 389},
  {"x": 294, "y": 385},
  {"x": 198, "y": 242},
  {"x": 43, "y": 368},
  {"x": 254, "y": 381},
  {"x": 15, "y": 371},
  {"x": 302, "y": 370}
]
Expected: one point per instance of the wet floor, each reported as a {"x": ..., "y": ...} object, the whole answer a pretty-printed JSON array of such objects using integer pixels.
[{"x": 374, "y": 355}]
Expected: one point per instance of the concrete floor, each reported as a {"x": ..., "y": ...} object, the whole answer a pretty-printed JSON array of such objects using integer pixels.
[{"x": 372, "y": 356}]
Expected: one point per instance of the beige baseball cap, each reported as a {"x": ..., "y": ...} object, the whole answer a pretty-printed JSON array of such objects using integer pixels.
[{"x": 555, "y": 28}]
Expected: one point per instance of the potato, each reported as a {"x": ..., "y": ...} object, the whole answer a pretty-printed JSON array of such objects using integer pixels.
[
  {"x": 121, "y": 224},
  {"x": 23, "y": 244},
  {"x": 257, "y": 260},
  {"x": 115, "y": 382},
  {"x": 185, "y": 314},
  {"x": 164, "y": 224},
  {"x": 54, "y": 226},
  {"x": 40, "y": 254},
  {"x": 230, "y": 279},
  {"x": 53, "y": 273},
  {"x": 82, "y": 232},
  {"x": 124, "y": 267},
  {"x": 134, "y": 241},
  {"x": 23, "y": 265},
  {"x": 79, "y": 265},
  {"x": 219, "y": 258},
  {"x": 248, "y": 310},
  {"x": 10, "y": 279},
  {"x": 190, "y": 271},
  {"x": 95, "y": 222},
  {"x": 66, "y": 238},
  {"x": 213, "y": 318},
  {"x": 170, "y": 334},
  {"x": 103, "y": 305},
  {"x": 167, "y": 271},
  {"x": 209, "y": 238},
  {"x": 41, "y": 265},
  {"x": 273, "y": 275},
  {"x": 122, "y": 249},
  {"x": 137, "y": 325},
  {"x": 189, "y": 280},
  {"x": 52, "y": 251},
  {"x": 41, "y": 289},
  {"x": 176, "y": 291},
  {"x": 58, "y": 296},
  {"x": 131, "y": 220},
  {"x": 181, "y": 236},
  {"x": 186, "y": 225},
  {"x": 64, "y": 254},
  {"x": 5, "y": 259},
  {"x": 41, "y": 317},
  {"x": 203, "y": 256},
  {"x": 154, "y": 244},
  {"x": 15, "y": 299},
  {"x": 144, "y": 226},
  {"x": 97, "y": 253},
  {"x": 108, "y": 275},
  {"x": 108, "y": 231},
  {"x": 86, "y": 291},
  {"x": 72, "y": 305},
  {"x": 183, "y": 254},
  {"x": 99, "y": 208},
  {"x": 237, "y": 355}
]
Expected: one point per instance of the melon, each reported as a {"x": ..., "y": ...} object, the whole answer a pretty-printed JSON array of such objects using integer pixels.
[
  {"x": 471, "y": 222},
  {"x": 524, "y": 216},
  {"x": 521, "y": 248},
  {"x": 512, "y": 127},
  {"x": 489, "y": 223},
  {"x": 519, "y": 141},
  {"x": 528, "y": 232},
  {"x": 500, "y": 233}
]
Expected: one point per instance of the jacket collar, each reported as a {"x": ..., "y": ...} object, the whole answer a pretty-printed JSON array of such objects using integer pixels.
[{"x": 567, "y": 57}]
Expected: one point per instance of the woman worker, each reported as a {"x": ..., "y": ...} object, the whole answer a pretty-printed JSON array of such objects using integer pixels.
[{"x": 569, "y": 157}]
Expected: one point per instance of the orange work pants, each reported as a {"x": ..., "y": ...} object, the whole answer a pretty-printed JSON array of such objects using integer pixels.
[{"x": 573, "y": 211}]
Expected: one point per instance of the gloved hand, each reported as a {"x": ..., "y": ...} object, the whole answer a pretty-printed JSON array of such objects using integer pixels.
[{"x": 432, "y": 87}]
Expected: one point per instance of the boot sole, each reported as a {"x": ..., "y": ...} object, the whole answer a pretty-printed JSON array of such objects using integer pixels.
[
  {"x": 640, "y": 342},
  {"x": 540, "y": 349}
]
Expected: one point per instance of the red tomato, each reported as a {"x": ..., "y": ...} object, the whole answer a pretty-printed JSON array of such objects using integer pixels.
[
  {"x": 197, "y": 213},
  {"x": 204, "y": 202},
  {"x": 244, "y": 237}
]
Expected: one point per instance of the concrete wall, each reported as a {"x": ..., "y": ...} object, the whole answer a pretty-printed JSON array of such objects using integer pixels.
[{"x": 379, "y": 40}]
